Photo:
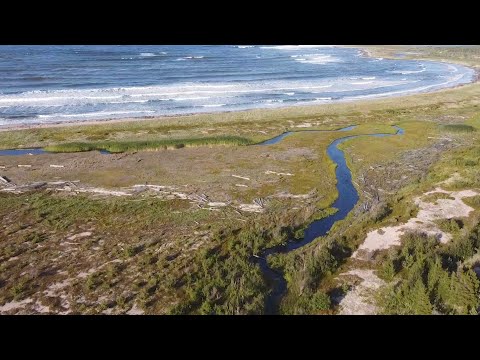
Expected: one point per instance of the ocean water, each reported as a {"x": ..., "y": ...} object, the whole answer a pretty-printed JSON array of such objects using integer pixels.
[{"x": 44, "y": 84}]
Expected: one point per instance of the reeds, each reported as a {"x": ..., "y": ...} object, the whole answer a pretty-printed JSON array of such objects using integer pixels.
[{"x": 148, "y": 145}]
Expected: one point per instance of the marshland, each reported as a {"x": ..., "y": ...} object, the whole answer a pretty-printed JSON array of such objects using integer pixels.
[{"x": 168, "y": 221}]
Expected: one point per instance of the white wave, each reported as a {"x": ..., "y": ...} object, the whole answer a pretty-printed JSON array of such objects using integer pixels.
[
  {"x": 414, "y": 90},
  {"x": 174, "y": 92},
  {"x": 323, "y": 98},
  {"x": 369, "y": 78},
  {"x": 95, "y": 114},
  {"x": 149, "y": 54},
  {"x": 214, "y": 105},
  {"x": 191, "y": 98},
  {"x": 188, "y": 91},
  {"x": 128, "y": 102},
  {"x": 452, "y": 68},
  {"x": 268, "y": 102},
  {"x": 304, "y": 55},
  {"x": 185, "y": 91},
  {"x": 379, "y": 59},
  {"x": 295, "y": 47},
  {"x": 406, "y": 72},
  {"x": 318, "y": 59},
  {"x": 245, "y": 46},
  {"x": 11, "y": 100},
  {"x": 193, "y": 57},
  {"x": 289, "y": 93}
]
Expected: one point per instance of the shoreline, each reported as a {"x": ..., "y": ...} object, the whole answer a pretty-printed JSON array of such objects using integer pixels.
[{"x": 363, "y": 52}]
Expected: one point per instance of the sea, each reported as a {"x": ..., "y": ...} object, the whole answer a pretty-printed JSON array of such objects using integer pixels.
[{"x": 52, "y": 84}]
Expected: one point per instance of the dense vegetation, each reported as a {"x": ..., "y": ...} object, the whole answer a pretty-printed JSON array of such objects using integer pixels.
[
  {"x": 223, "y": 279},
  {"x": 430, "y": 278},
  {"x": 124, "y": 146}
]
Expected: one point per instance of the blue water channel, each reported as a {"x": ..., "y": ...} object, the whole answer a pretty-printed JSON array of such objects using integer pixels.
[{"x": 346, "y": 201}]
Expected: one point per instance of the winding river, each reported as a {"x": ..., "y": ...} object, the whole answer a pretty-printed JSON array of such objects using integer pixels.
[{"x": 346, "y": 201}]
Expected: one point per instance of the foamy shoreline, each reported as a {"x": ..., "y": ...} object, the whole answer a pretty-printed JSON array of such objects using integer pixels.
[{"x": 364, "y": 98}]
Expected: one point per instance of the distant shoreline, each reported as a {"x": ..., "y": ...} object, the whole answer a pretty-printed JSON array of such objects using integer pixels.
[{"x": 363, "y": 51}]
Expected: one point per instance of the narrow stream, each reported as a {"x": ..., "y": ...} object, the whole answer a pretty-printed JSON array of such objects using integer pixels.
[
  {"x": 20, "y": 152},
  {"x": 40, "y": 151},
  {"x": 37, "y": 151},
  {"x": 346, "y": 201}
]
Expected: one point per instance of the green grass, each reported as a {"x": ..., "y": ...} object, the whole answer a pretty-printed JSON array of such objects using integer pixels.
[
  {"x": 473, "y": 201},
  {"x": 432, "y": 198},
  {"x": 151, "y": 145},
  {"x": 462, "y": 128}
]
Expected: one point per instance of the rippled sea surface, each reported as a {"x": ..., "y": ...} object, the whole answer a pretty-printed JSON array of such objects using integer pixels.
[{"x": 42, "y": 84}]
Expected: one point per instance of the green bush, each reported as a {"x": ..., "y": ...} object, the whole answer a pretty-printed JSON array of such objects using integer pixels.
[
  {"x": 320, "y": 302},
  {"x": 35, "y": 237},
  {"x": 19, "y": 288},
  {"x": 452, "y": 226}
]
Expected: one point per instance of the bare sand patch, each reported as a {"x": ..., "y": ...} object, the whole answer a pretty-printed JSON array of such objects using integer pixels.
[
  {"x": 287, "y": 195},
  {"x": 428, "y": 213},
  {"x": 135, "y": 310},
  {"x": 359, "y": 300},
  {"x": 55, "y": 287},
  {"x": 85, "y": 274},
  {"x": 40, "y": 308},
  {"x": 241, "y": 177},
  {"x": 103, "y": 192},
  {"x": 251, "y": 208},
  {"x": 277, "y": 173},
  {"x": 14, "y": 305},
  {"x": 217, "y": 204},
  {"x": 79, "y": 236}
]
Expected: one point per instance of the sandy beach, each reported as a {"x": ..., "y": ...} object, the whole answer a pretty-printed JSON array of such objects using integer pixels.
[{"x": 249, "y": 112}]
